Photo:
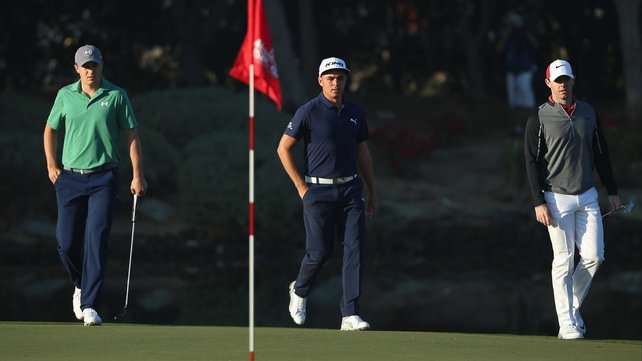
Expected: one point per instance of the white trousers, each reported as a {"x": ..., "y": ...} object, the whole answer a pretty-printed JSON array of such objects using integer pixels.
[
  {"x": 578, "y": 222},
  {"x": 519, "y": 89}
]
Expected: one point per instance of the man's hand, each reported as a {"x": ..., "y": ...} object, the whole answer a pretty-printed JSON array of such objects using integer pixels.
[
  {"x": 302, "y": 189},
  {"x": 614, "y": 202},
  {"x": 54, "y": 172},
  {"x": 371, "y": 207},
  {"x": 138, "y": 186},
  {"x": 543, "y": 215}
]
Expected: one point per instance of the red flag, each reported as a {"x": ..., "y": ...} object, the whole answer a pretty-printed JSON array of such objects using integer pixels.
[{"x": 257, "y": 49}]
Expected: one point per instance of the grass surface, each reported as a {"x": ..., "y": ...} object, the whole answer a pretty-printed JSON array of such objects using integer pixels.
[{"x": 66, "y": 341}]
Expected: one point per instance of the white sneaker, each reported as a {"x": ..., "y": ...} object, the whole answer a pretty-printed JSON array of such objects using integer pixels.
[
  {"x": 570, "y": 332},
  {"x": 91, "y": 317},
  {"x": 354, "y": 323},
  {"x": 76, "y": 304},
  {"x": 297, "y": 306}
]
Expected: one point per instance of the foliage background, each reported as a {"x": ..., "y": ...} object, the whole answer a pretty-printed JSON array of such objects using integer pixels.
[{"x": 454, "y": 244}]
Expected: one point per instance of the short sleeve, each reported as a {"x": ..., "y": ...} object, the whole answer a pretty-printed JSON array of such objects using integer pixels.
[
  {"x": 57, "y": 115},
  {"x": 126, "y": 117},
  {"x": 297, "y": 125}
]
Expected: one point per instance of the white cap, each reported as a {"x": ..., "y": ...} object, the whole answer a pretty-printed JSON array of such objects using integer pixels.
[
  {"x": 559, "y": 68},
  {"x": 332, "y": 63}
]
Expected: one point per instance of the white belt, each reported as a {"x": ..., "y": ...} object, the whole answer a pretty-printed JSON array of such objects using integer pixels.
[{"x": 319, "y": 180}]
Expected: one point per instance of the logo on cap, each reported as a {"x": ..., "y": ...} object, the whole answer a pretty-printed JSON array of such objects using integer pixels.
[
  {"x": 332, "y": 63},
  {"x": 559, "y": 68},
  {"x": 335, "y": 63},
  {"x": 87, "y": 53}
]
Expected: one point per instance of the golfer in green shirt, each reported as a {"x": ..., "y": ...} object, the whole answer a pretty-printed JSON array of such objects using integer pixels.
[{"x": 93, "y": 113}]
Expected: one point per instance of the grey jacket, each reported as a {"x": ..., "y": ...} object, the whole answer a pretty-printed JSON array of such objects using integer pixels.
[{"x": 561, "y": 151}]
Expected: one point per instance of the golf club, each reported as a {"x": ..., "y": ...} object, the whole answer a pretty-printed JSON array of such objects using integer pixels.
[
  {"x": 129, "y": 268},
  {"x": 627, "y": 208}
]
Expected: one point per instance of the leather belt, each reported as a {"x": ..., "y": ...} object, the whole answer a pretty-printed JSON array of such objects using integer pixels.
[
  {"x": 101, "y": 168},
  {"x": 319, "y": 180}
]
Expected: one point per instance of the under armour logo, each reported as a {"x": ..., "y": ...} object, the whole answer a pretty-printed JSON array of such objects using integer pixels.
[{"x": 104, "y": 104}]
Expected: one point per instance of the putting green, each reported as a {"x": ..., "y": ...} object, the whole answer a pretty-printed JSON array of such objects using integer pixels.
[{"x": 66, "y": 341}]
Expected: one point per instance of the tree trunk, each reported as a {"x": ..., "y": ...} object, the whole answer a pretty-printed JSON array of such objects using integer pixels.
[
  {"x": 308, "y": 46},
  {"x": 286, "y": 60},
  {"x": 472, "y": 37},
  {"x": 629, "y": 20},
  {"x": 191, "y": 58},
  {"x": 193, "y": 30}
]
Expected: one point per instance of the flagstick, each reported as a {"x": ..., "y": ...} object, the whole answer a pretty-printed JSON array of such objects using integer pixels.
[
  {"x": 251, "y": 9},
  {"x": 251, "y": 182}
]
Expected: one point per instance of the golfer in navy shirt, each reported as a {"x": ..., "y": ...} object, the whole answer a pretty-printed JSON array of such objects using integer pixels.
[{"x": 334, "y": 133}]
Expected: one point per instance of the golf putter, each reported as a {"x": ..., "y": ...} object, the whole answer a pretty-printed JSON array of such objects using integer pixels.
[
  {"x": 626, "y": 207},
  {"x": 129, "y": 268}
]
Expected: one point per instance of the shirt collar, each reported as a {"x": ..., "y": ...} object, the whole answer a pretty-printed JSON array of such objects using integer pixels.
[
  {"x": 569, "y": 108},
  {"x": 328, "y": 103},
  {"x": 104, "y": 86}
]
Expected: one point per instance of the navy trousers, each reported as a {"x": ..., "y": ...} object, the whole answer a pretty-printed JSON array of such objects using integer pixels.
[
  {"x": 86, "y": 208},
  {"x": 334, "y": 213}
]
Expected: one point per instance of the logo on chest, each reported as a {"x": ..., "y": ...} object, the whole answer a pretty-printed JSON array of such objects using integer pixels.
[
  {"x": 104, "y": 104},
  {"x": 353, "y": 121}
]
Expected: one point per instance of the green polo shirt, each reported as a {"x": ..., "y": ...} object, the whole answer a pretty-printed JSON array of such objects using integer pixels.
[{"x": 92, "y": 126}]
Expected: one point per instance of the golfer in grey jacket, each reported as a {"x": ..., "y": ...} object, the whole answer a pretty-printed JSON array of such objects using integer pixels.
[{"x": 563, "y": 142}]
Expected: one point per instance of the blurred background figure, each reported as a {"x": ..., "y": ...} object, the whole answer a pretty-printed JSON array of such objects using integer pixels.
[{"x": 518, "y": 46}]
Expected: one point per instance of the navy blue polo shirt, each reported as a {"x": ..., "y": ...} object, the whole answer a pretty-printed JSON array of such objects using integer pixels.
[{"x": 330, "y": 136}]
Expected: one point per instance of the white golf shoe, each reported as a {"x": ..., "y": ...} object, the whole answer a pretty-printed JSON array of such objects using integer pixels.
[
  {"x": 76, "y": 304},
  {"x": 354, "y": 323},
  {"x": 91, "y": 317},
  {"x": 570, "y": 332},
  {"x": 297, "y": 306}
]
